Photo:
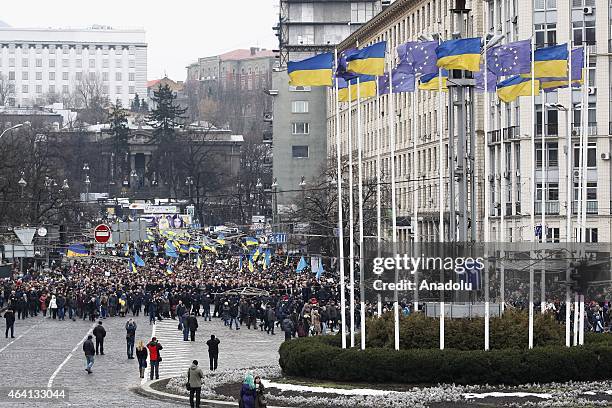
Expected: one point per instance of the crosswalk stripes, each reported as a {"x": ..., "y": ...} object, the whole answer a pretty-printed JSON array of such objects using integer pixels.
[{"x": 177, "y": 354}]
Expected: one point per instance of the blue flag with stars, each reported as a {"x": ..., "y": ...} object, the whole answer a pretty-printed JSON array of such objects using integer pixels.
[
  {"x": 510, "y": 59},
  {"x": 418, "y": 56}
]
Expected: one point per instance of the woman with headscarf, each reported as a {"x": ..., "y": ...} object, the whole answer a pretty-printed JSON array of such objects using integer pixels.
[{"x": 248, "y": 394}]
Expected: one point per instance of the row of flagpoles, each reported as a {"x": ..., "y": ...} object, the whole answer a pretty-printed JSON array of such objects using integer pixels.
[{"x": 357, "y": 74}]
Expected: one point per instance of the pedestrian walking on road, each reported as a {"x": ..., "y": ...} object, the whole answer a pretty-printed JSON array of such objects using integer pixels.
[
  {"x": 213, "y": 351},
  {"x": 53, "y": 306},
  {"x": 100, "y": 333},
  {"x": 9, "y": 317},
  {"x": 88, "y": 349},
  {"x": 185, "y": 320},
  {"x": 193, "y": 326},
  {"x": 248, "y": 394},
  {"x": 194, "y": 379},
  {"x": 130, "y": 337},
  {"x": 141, "y": 355},
  {"x": 154, "y": 357}
]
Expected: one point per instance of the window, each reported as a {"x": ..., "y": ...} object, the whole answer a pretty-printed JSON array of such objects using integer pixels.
[
  {"x": 38, "y": 89},
  {"x": 552, "y": 153},
  {"x": 25, "y": 75},
  {"x": 79, "y": 63},
  {"x": 38, "y": 62},
  {"x": 78, "y": 76},
  {"x": 92, "y": 76},
  {"x": 64, "y": 76},
  {"x": 51, "y": 76},
  {"x": 39, "y": 76},
  {"x": 105, "y": 63},
  {"x": 11, "y": 62},
  {"x": 584, "y": 32},
  {"x": 92, "y": 63},
  {"x": 118, "y": 62},
  {"x": 546, "y": 34},
  {"x": 299, "y": 89},
  {"x": 24, "y": 89},
  {"x": 52, "y": 89},
  {"x": 299, "y": 107},
  {"x": 299, "y": 152},
  {"x": 25, "y": 62},
  {"x": 118, "y": 89},
  {"x": 552, "y": 234},
  {"x": 591, "y": 155},
  {"x": 132, "y": 76},
  {"x": 117, "y": 76},
  {"x": 105, "y": 89},
  {"x": 105, "y": 76},
  {"x": 132, "y": 63},
  {"x": 301, "y": 128},
  {"x": 132, "y": 89},
  {"x": 303, "y": 35},
  {"x": 303, "y": 12},
  {"x": 51, "y": 63},
  {"x": 65, "y": 63},
  {"x": 65, "y": 89}
]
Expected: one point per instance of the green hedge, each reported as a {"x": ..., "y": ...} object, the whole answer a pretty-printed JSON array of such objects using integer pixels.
[
  {"x": 319, "y": 357},
  {"x": 509, "y": 331}
]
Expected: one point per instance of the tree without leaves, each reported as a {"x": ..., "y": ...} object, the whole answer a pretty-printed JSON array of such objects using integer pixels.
[
  {"x": 90, "y": 96},
  {"x": 7, "y": 90},
  {"x": 135, "y": 107}
]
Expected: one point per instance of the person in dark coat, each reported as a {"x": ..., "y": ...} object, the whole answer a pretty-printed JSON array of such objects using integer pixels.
[
  {"x": 141, "y": 355},
  {"x": 192, "y": 322},
  {"x": 194, "y": 378},
  {"x": 99, "y": 333},
  {"x": 130, "y": 337},
  {"x": 88, "y": 349},
  {"x": 9, "y": 317},
  {"x": 213, "y": 351}
]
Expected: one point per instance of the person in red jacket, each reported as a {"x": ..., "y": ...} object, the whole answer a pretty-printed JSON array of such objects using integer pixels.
[{"x": 154, "y": 356}]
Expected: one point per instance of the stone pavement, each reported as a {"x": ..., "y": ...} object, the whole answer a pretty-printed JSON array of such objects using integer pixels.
[{"x": 48, "y": 352}]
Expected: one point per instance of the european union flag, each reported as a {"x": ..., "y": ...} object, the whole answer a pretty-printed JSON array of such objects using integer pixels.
[
  {"x": 551, "y": 62},
  {"x": 342, "y": 64},
  {"x": 463, "y": 53},
  {"x": 513, "y": 87},
  {"x": 401, "y": 81},
  {"x": 480, "y": 77},
  {"x": 510, "y": 59},
  {"x": 313, "y": 71},
  {"x": 430, "y": 82},
  {"x": 419, "y": 57},
  {"x": 369, "y": 60}
]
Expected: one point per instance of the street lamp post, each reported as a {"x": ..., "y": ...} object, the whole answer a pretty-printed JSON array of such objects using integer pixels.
[
  {"x": 259, "y": 187},
  {"x": 189, "y": 183},
  {"x": 14, "y": 127},
  {"x": 303, "y": 187},
  {"x": 275, "y": 203}
]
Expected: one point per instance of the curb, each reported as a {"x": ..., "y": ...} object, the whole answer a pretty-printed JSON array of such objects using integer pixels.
[{"x": 147, "y": 391}]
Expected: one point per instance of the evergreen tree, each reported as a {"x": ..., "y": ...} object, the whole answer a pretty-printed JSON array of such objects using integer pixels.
[
  {"x": 118, "y": 119},
  {"x": 144, "y": 106},
  {"x": 135, "y": 104},
  {"x": 166, "y": 115}
]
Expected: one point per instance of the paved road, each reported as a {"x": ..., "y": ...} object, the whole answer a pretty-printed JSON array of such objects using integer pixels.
[{"x": 48, "y": 352}]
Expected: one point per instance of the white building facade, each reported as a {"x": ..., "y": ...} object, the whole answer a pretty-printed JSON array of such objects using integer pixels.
[{"x": 36, "y": 63}]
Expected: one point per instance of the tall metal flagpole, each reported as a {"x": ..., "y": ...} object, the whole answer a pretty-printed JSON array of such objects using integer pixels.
[
  {"x": 569, "y": 185},
  {"x": 415, "y": 189},
  {"x": 440, "y": 193},
  {"x": 585, "y": 132},
  {"x": 393, "y": 200},
  {"x": 533, "y": 184},
  {"x": 543, "y": 191},
  {"x": 378, "y": 192},
  {"x": 340, "y": 223},
  {"x": 361, "y": 241},
  {"x": 351, "y": 224},
  {"x": 487, "y": 197}
]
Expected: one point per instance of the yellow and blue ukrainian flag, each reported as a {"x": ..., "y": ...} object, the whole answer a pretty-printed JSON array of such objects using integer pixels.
[
  {"x": 510, "y": 89},
  {"x": 313, "y": 71},
  {"x": 363, "y": 86},
  {"x": 131, "y": 266},
  {"x": 430, "y": 82},
  {"x": 463, "y": 53},
  {"x": 551, "y": 62},
  {"x": 76, "y": 250},
  {"x": 369, "y": 60},
  {"x": 343, "y": 91},
  {"x": 199, "y": 262}
]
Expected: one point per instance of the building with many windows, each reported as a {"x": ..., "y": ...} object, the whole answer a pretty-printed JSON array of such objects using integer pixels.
[
  {"x": 306, "y": 28},
  {"x": 39, "y": 65}
]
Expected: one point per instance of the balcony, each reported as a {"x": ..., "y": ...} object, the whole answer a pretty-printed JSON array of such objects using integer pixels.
[
  {"x": 552, "y": 207},
  {"x": 512, "y": 133},
  {"x": 267, "y": 136},
  {"x": 508, "y": 208},
  {"x": 552, "y": 129},
  {"x": 592, "y": 128},
  {"x": 494, "y": 136},
  {"x": 517, "y": 206},
  {"x": 591, "y": 207}
]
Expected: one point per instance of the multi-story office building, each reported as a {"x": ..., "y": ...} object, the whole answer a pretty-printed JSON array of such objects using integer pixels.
[
  {"x": 583, "y": 23},
  {"x": 402, "y": 21},
  {"x": 299, "y": 116},
  {"x": 39, "y": 64}
]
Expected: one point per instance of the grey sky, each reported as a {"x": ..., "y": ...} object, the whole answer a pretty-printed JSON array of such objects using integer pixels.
[{"x": 178, "y": 31}]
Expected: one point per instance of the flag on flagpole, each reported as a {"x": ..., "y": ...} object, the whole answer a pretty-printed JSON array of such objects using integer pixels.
[
  {"x": 76, "y": 250},
  {"x": 342, "y": 64},
  {"x": 320, "y": 270},
  {"x": 402, "y": 82},
  {"x": 479, "y": 79},
  {"x": 313, "y": 71},
  {"x": 199, "y": 262},
  {"x": 551, "y": 84},
  {"x": 287, "y": 260},
  {"x": 126, "y": 249},
  {"x": 419, "y": 57},
  {"x": 369, "y": 60},
  {"x": 551, "y": 62},
  {"x": 430, "y": 82},
  {"x": 137, "y": 259},
  {"x": 154, "y": 248},
  {"x": 240, "y": 263},
  {"x": 363, "y": 86},
  {"x": 513, "y": 87},
  {"x": 170, "y": 249},
  {"x": 510, "y": 59},
  {"x": 301, "y": 265},
  {"x": 463, "y": 53},
  {"x": 131, "y": 266}
]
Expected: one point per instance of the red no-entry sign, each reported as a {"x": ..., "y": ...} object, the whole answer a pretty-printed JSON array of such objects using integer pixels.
[{"x": 102, "y": 233}]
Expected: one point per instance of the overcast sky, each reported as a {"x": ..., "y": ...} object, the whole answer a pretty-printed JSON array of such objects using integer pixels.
[{"x": 178, "y": 31}]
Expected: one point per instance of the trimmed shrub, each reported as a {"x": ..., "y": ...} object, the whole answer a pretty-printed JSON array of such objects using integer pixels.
[{"x": 316, "y": 357}]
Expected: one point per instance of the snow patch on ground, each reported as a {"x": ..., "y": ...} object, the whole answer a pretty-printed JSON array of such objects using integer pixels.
[{"x": 325, "y": 390}]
